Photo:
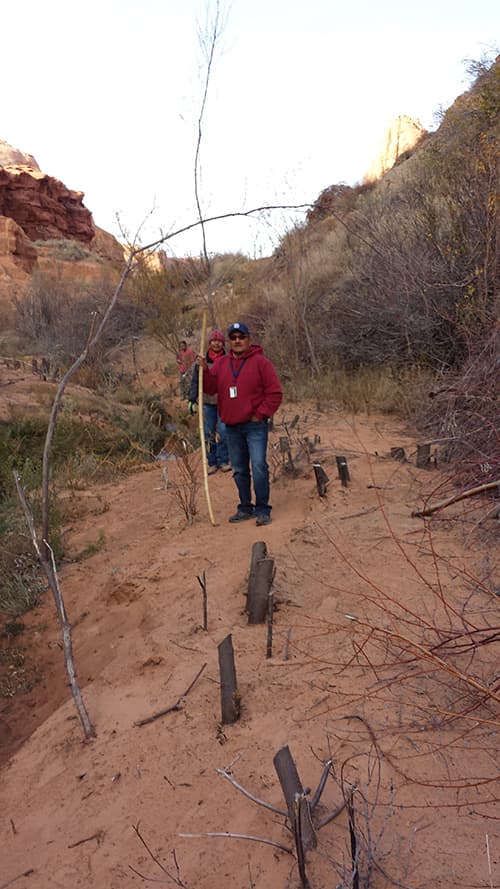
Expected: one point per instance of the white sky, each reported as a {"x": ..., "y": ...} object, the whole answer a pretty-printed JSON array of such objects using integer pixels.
[{"x": 106, "y": 93}]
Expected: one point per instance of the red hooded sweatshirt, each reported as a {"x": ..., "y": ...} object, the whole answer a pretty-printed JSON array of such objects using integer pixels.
[{"x": 246, "y": 385}]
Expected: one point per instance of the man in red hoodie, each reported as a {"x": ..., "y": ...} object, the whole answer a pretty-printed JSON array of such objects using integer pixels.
[{"x": 248, "y": 394}]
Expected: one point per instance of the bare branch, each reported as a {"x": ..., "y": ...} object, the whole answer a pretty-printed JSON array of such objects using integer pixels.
[
  {"x": 177, "y": 880},
  {"x": 49, "y": 568},
  {"x": 238, "y": 836},
  {"x": 260, "y": 802},
  {"x": 173, "y": 707},
  {"x": 479, "y": 489}
]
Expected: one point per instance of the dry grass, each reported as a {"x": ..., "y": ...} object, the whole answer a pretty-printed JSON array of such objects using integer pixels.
[{"x": 367, "y": 390}]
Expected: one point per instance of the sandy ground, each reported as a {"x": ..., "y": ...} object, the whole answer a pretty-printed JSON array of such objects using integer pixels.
[{"x": 403, "y": 699}]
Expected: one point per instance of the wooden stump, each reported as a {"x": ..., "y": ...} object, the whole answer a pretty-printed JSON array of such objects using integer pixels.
[
  {"x": 398, "y": 454},
  {"x": 321, "y": 479},
  {"x": 292, "y": 787},
  {"x": 259, "y": 551},
  {"x": 423, "y": 456},
  {"x": 258, "y": 595},
  {"x": 230, "y": 702},
  {"x": 343, "y": 470}
]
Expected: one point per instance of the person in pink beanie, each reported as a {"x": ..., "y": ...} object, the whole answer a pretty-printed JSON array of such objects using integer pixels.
[{"x": 213, "y": 427}]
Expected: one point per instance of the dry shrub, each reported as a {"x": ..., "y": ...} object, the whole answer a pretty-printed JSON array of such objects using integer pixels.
[
  {"x": 54, "y": 319},
  {"x": 463, "y": 414},
  {"x": 371, "y": 389}
]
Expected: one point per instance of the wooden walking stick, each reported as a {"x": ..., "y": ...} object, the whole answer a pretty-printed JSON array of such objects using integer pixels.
[{"x": 200, "y": 419}]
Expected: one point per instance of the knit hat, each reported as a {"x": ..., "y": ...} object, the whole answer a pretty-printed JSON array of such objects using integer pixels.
[{"x": 216, "y": 335}]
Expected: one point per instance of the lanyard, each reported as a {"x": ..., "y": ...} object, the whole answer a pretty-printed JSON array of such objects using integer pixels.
[{"x": 237, "y": 373}]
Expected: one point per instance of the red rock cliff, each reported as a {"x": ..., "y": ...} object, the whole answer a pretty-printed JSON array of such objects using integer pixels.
[{"x": 43, "y": 206}]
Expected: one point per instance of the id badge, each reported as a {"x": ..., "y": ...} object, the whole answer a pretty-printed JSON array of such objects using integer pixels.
[{"x": 233, "y": 392}]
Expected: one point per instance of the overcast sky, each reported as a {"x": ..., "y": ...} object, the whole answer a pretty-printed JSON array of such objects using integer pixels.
[{"x": 106, "y": 94}]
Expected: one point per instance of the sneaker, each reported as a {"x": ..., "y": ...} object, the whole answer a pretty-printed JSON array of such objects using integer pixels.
[
  {"x": 225, "y": 467},
  {"x": 212, "y": 470},
  {"x": 240, "y": 517},
  {"x": 263, "y": 519}
]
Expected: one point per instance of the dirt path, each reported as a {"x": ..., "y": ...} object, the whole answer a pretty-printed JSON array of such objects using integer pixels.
[{"x": 409, "y": 722}]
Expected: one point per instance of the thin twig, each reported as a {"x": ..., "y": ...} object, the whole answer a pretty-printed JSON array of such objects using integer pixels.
[
  {"x": 177, "y": 880},
  {"x": 238, "y": 836},
  {"x": 174, "y": 707},
  {"x": 429, "y": 656},
  {"x": 330, "y": 817},
  {"x": 26, "y": 873},
  {"x": 321, "y": 786},
  {"x": 354, "y": 515}
]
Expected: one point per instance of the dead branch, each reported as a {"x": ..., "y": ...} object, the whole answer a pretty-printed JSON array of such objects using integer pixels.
[
  {"x": 95, "y": 836},
  {"x": 174, "y": 707},
  {"x": 50, "y": 570},
  {"x": 429, "y": 656},
  {"x": 91, "y": 342},
  {"x": 203, "y": 584},
  {"x": 354, "y": 515},
  {"x": 88, "y": 728},
  {"x": 331, "y": 816},
  {"x": 321, "y": 786},
  {"x": 471, "y": 492},
  {"x": 260, "y": 802},
  {"x": 238, "y": 836}
]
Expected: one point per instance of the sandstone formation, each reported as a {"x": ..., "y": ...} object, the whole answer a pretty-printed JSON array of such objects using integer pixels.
[
  {"x": 401, "y": 137},
  {"x": 43, "y": 206},
  {"x": 45, "y": 227},
  {"x": 107, "y": 246},
  {"x": 12, "y": 157},
  {"x": 15, "y": 246}
]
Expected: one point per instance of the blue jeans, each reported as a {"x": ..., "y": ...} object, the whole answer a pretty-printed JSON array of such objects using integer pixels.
[
  {"x": 215, "y": 436},
  {"x": 247, "y": 444}
]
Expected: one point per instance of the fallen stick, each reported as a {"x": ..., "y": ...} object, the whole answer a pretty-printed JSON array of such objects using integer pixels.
[
  {"x": 354, "y": 515},
  {"x": 428, "y": 510},
  {"x": 95, "y": 836},
  {"x": 174, "y": 707}
]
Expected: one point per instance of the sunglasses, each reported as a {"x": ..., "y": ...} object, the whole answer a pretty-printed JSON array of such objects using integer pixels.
[{"x": 238, "y": 336}]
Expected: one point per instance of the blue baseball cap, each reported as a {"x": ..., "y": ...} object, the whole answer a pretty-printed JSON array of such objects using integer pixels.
[{"x": 238, "y": 327}]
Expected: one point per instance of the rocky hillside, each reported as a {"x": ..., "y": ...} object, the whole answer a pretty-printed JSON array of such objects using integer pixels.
[{"x": 45, "y": 226}]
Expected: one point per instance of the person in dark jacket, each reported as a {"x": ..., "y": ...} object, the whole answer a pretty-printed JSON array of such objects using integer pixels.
[
  {"x": 249, "y": 393},
  {"x": 213, "y": 427}
]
